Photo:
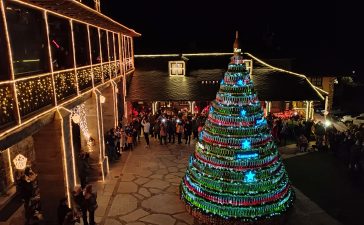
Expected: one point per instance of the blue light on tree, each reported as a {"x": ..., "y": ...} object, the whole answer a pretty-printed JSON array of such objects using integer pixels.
[
  {"x": 242, "y": 112},
  {"x": 222, "y": 81},
  {"x": 247, "y": 155},
  {"x": 201, "y": 135},
  {"x": 240, "y": 82},
  {"x": 261, "y": 121},
  {"x": 246, "y": 144},
  {"x": 249, "y": 177}
]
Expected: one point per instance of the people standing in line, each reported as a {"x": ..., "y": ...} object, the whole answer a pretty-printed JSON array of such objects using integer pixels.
[
  {"x": 171, "y": 130},
  {"x": 319, "y": 135},
  {"x": 163, "y": 134},
  {"x": 117, "y": 139},
  {"x": 122, "y": 140},
  {"x": 157, "y": 130},
  {"x": 194, "y": 128},
  {"x": 90, "y": 204},
  {"x": 135, "y": 136},
  {"x": 110, "y": 144},
  {"x": 284, "y": 133},
  {"x": 179, "y": 130},
  {"x": 65, "y": 214},
  {"x": 146, "y": 128},
  {"x": 302, "y": 143},
  {"x": 62, "y": 210},
  {"x": 83, "y": 168},
  {"x": 80, "y": 204},
  {"x": 70, "y": 219},
  {"x": 137, "y": 125},
  {"x": 129, "y": 140},
  {"x": 188, "y": 131}
]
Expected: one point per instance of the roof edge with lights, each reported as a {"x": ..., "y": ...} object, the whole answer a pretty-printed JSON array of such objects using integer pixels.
[{"x": 77, "y": 11}]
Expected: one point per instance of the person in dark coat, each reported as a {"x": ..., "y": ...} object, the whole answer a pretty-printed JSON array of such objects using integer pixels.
[
  {"x": 91, "y": 205},
  {"x": 83, "y": 168},
  {"x": 62, "y": 210},
  {"x": 80, "y": 203},
  {"x": 188, "y": 131}
]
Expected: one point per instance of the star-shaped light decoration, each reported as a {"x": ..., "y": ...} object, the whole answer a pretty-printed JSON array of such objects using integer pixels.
[
  {"x": 246, "y": 144},
  {"x": 242, "y": 112},
  {"x": 20, "y": 162},
  {"x": 249, "y": 177}
]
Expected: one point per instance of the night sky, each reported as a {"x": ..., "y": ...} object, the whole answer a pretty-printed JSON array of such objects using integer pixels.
[{"x": 322, "y": 36}]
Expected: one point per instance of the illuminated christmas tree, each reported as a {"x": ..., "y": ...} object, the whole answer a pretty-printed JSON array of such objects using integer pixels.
[{"x": 235, "y": 175}]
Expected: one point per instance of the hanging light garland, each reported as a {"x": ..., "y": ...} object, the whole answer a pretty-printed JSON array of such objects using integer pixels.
[{"x": 79, "y": 117}]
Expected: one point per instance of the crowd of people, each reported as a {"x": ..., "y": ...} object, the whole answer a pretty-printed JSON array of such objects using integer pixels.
[
  {"x": 27, "y": 186},
  {"x": 347, "y": 145},
  {"x": 166, "y": 129},
  {"x": 85, "y": 205}
]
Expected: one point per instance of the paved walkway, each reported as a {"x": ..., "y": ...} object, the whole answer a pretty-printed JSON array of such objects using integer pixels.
[{"x": 142, "y": 189}]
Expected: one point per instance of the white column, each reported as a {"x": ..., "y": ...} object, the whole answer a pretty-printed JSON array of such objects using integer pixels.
[
  {"x": 153, "y": 109},
  {"x": 326, "y": 105},
  {"x": 307, "y": 110}
]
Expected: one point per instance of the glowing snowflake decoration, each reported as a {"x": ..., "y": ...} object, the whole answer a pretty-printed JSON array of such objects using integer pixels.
[{"x": 20, "y": 162}]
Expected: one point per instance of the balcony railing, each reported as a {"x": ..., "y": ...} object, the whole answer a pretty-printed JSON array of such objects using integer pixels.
[
  {"x": 65, "y": 83},
  {"x": 34, "y": 94},
  {"x": 84, "y": 77},
  {"x": 38, "y": 93},
  {"x": 97, "y": 72},
  {"x": 6, "y": 104},
  {"x": 106, "y": 71}
]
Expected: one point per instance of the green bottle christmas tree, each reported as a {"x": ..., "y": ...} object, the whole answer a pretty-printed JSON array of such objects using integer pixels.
[{"x": 236, "y": 175}]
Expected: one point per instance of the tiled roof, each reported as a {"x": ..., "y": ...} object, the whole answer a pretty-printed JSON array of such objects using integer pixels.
[{"x": 151, "y": 80}]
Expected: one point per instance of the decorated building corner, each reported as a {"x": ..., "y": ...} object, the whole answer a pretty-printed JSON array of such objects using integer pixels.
[{"x": 236, "y": 176}]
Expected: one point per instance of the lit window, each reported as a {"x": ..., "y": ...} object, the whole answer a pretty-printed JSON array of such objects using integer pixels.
[{"x": 177, "y": 68}]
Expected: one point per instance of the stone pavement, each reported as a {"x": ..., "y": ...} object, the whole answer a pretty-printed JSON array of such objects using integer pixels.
[{"x": 142, "y": 189}]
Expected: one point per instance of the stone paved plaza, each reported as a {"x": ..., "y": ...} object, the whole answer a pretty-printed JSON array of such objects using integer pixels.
[{"x": 142, "y": 189}]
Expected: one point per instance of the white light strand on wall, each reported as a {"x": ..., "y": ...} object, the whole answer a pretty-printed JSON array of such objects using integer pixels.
[{"x": 79, "y": 116}]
